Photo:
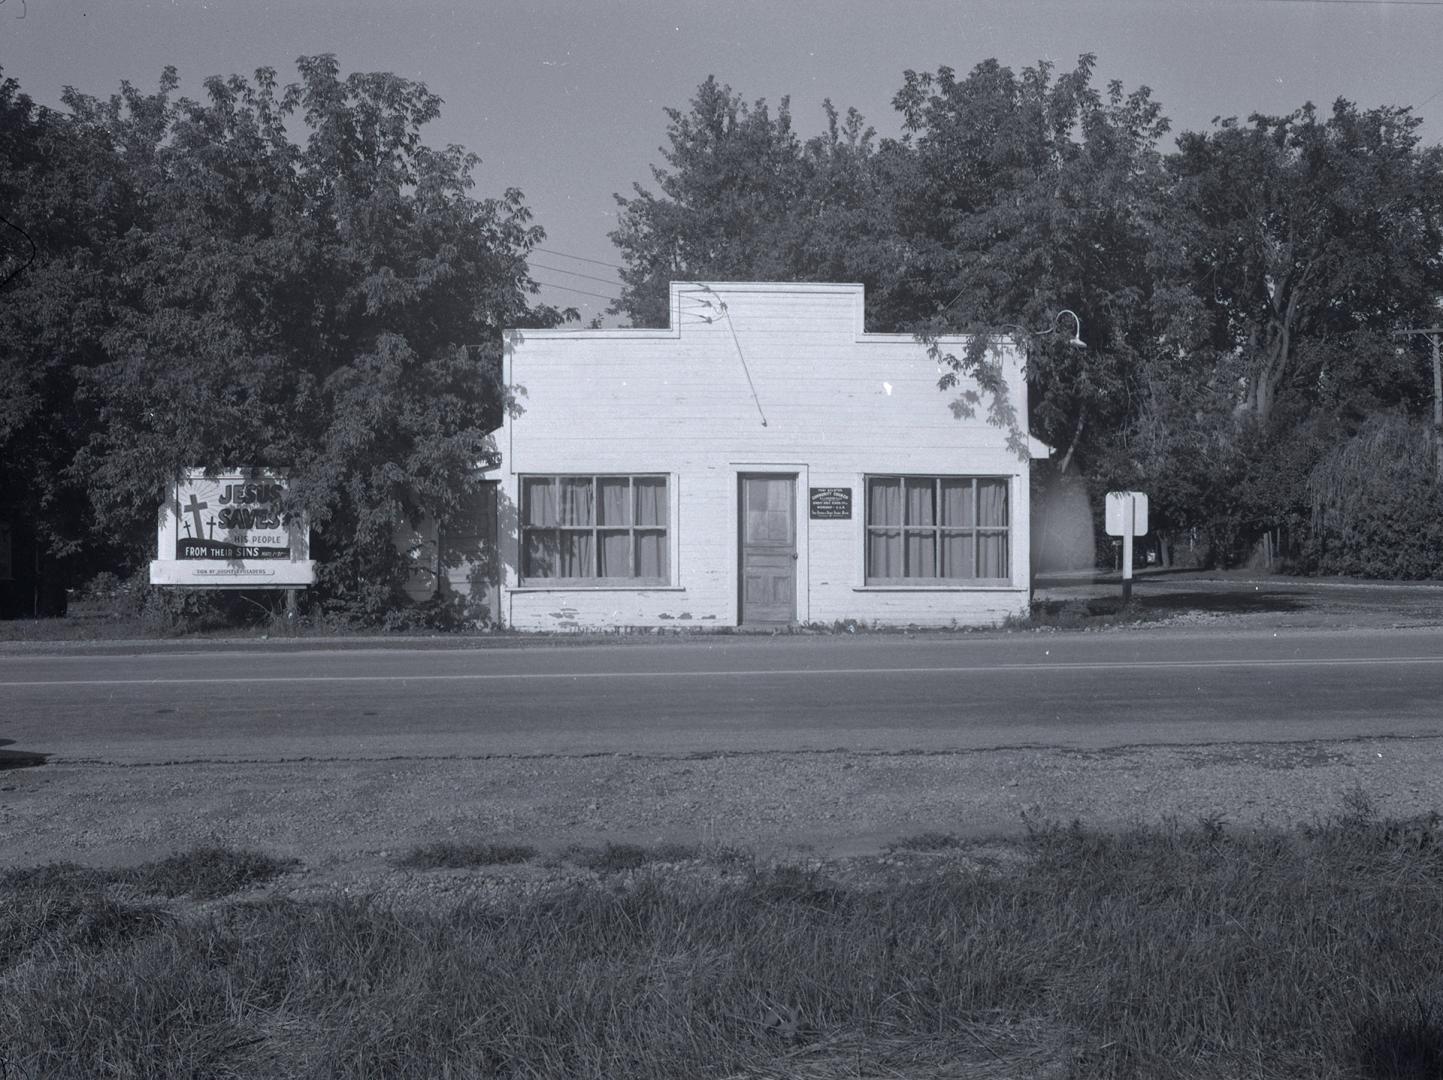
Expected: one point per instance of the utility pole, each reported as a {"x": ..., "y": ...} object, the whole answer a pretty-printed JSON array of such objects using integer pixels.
[{"x": 1435, "y": 336}]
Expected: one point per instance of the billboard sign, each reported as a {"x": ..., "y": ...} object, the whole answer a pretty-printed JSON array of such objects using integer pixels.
[{"x": 229, "y": 530}]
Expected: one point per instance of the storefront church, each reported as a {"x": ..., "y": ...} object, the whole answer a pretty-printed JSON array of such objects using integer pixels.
[{"x": 760, "y": 462}]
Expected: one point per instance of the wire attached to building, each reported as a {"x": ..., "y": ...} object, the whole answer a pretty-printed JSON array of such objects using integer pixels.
[
  {"x": 737, "y": 342},
  {"x": 703, "y": 301},
  {"x": 719, "y": 306}
]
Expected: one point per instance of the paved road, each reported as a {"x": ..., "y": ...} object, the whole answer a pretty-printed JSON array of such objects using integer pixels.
[{"x": 885, "y": 693}]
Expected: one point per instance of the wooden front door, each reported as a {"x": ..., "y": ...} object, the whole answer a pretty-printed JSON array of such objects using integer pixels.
[{"x": 768, "y": 545}]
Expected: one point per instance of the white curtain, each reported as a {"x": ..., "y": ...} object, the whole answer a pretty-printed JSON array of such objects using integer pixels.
[
  {"x": 959, "y": 555},
  {"x": 992, "y": 503},
  {"x": 921, "y": 502},
  {"x": 650, "y": 536},
  {"x": 609, "y": 527},
  {"x": 540, "y": 561},
  {"x": 613, "y": 501},
  {"x": 615, "y": 553},
  {"x": 575, "y": 500},
  {"x": 957, "y": 506},
  {"x": 578, "y": 554},
  {"x": 884, "y": 533},
  {"x": 921, "y": 553},
  {"x": 651, "y": 554},
  {"x": 992, "y": 513},
  {"x": 539, "y": 499},
  {"x": 650, "y": 500}
]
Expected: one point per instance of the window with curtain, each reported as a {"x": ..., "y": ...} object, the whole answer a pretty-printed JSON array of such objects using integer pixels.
[
  {"x": 594, "y": 530},
  {"x": 937, "y": 530}
]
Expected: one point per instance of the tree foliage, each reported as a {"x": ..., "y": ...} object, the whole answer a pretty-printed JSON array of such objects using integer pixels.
[
  {"x": 1028, "y": 194},
  {"x": 1376, "y": 503},
  {"x": 213, "y": 292},
  {"x": 1237, "y": 292},
  {"x": 1305, "y": 237},
  {"x": 744, "y": 199}
]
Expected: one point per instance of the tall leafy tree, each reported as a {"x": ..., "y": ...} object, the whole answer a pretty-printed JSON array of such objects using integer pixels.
[
  {"x": 1031, "y": 193},
  {"x": 1306, "y": 237},
  {"x": 734, "y": 174},
  {"x": 741, "y": 197},
  {"x": 1301, "y": 242},
  {"x": 64, "y": 211},
  {"x": 331, "y": 306}
]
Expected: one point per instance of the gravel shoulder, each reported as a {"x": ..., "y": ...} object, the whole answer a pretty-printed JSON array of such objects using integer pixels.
[{"x": 349, "y": 821}]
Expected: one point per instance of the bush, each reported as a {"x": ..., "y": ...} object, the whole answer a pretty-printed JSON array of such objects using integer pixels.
[{"x": 1377, "y": 504}]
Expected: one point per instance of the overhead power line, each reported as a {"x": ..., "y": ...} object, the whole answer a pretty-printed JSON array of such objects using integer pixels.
[
  {"x": 568, "y": 288},
  {"x": 583, "y": 258},
  {"x": 576, "y": 273}
]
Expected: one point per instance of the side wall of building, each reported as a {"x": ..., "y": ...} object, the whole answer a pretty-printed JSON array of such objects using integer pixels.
[{"x": 749, "y": 379}]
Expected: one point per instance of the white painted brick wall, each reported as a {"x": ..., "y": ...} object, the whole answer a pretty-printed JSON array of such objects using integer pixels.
[{"x": 839, "y": 404}]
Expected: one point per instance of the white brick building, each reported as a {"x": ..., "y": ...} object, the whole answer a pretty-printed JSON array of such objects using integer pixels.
[{"x": 761, "y": 461}]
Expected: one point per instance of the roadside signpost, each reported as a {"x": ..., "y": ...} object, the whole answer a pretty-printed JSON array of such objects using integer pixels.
[{"x": 1126, "y": 516}]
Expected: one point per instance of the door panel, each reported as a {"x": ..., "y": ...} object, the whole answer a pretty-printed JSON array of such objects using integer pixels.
[{"x": 768, "y": 549}]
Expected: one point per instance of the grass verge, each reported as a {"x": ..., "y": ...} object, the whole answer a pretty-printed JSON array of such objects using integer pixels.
[
  {"x": 202, "y": 873},
  {"x": 617, "y": 858},
  {"x": 446, "y": 855},
  {"x": 1163, "y": 952}
]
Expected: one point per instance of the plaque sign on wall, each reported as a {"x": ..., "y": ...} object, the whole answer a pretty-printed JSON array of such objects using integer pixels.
[{"x": 831, "y": 502}]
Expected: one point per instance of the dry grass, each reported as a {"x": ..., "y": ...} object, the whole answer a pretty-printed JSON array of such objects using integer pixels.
[
  {"x": 1168, "y": 952},
  {"x": 616, "y": 858},
  {"x": 448, "y": 855}
]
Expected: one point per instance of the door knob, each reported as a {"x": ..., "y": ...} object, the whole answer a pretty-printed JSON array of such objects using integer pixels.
[{"x": 794, "y": 555}]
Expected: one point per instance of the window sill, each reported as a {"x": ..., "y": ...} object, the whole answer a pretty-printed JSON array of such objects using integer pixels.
[
  {"x": 595, "y": 588},
  {"x": 939, "y": 588}
]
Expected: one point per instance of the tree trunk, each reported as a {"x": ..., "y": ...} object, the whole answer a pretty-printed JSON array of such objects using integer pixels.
[
  {"x": 1272, "y": 343},
  {"x": 1072, "y": 448}
]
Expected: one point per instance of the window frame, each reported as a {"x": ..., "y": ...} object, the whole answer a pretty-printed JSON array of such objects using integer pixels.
[
  {"x": 596, "y": 530},
  {"x": 938, "y": 530}
]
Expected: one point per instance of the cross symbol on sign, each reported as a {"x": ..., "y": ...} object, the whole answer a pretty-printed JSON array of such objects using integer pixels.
[
  {"x": 194, "y": 508},
  {"x": 211, "y": 522}
]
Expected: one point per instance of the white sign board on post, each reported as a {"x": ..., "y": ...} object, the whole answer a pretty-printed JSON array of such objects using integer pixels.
[
  {"x": 1125, "y": 515},
  {"x": 1118, "y": 514},
  {"x": 228, "y": 531}
]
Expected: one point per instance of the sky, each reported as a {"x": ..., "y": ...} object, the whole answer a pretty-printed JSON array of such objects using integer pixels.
[{"x": 565, "y": 100}]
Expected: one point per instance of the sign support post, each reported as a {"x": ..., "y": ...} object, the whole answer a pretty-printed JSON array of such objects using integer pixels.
[
  {"x": 1129, "y": 515},
  {"x": 1126, "y": 517}
]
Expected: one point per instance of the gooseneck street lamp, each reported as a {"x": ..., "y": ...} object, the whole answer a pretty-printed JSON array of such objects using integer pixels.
[{"x": 1076, "y": 342}]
